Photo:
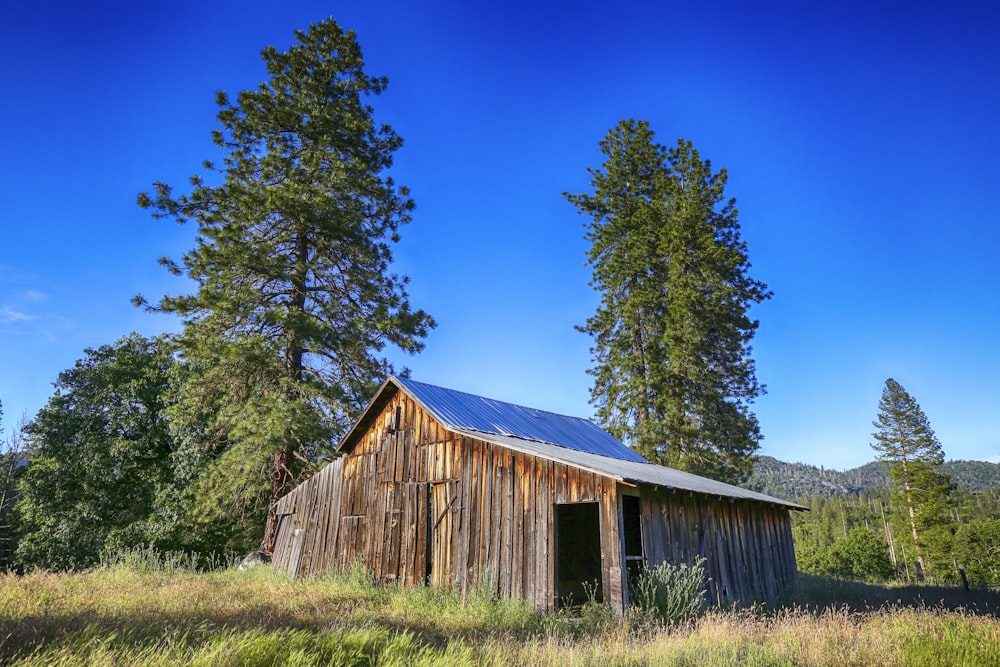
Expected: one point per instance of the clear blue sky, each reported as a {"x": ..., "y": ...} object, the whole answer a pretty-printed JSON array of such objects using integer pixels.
[{"x": 861, "y": 141}]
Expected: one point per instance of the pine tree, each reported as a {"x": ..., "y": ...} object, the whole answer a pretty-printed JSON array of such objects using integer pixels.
[
  {"x": 904, "y": 438},
  {"x": 673, "y": 376},
  {"x": 295, "y": 298}
]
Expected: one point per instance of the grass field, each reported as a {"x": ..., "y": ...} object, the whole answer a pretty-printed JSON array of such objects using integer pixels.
[{"x": 134, "y": 614}]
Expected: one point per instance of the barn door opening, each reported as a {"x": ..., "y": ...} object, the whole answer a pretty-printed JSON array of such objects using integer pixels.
[{"x": 578, "y": 553}]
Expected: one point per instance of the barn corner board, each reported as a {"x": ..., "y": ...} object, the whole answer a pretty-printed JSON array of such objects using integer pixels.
[{"x": 455, "y": 490}]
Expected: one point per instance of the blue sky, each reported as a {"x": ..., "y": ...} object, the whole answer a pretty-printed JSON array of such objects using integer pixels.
[{"x": 860, "y": 140}]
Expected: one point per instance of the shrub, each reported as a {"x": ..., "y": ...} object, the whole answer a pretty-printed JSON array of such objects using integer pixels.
[
  {"x": 669, "y": 593},
  {"x": 859, "y": 555}
]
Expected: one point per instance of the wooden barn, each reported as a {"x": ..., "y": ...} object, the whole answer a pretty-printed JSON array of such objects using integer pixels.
[{"x": 444, "y": 487}]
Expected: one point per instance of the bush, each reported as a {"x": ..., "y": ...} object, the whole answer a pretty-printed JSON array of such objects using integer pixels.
[
  {"x": 669, "y": 593},
  {"x": 860, "y": 554}
]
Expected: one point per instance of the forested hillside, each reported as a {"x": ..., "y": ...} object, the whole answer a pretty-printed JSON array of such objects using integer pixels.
[
  {"x": 800, "y": 480},
  {"x": 858, "y": 525}
]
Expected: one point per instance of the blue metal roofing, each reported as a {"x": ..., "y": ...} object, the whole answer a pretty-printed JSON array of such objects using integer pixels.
[
  {"x": 458, "y": 410},
  {"x": 636, "y": 472}
]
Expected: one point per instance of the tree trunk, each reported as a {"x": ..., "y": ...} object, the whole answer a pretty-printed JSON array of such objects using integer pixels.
[
  {"x": 919, "y": 564},
  {"x": 281, "y": 474},
  {"x": 281, "y": 478},
  {"x": 888, "y": 539},
  {"x": 642, "y": 408}
]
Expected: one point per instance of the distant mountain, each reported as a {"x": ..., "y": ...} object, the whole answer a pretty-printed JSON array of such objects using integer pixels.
[{"x": 800, "y": 480}]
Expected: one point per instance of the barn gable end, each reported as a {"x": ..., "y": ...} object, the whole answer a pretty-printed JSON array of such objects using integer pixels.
[{"x": 416, "y": 500}]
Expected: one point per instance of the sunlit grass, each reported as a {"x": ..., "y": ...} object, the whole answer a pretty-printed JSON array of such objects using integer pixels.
[{"x": 141, "y": 615}]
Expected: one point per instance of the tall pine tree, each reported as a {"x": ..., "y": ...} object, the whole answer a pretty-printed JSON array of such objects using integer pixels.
[
  {"x": 673, "y": 376},
  {"x": 295, "y": 298},
  {"x": 904, "y": 438}
]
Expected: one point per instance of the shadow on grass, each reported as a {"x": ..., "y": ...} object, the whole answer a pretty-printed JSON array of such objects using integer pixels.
[
  {"x": 201, "y": 625},
  {"x": 821, "y": 592}
]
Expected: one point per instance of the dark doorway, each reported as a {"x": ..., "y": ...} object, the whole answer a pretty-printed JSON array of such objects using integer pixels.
[
  {"x": 635, "y": 557},
  {"x": 578, "y": 553}
]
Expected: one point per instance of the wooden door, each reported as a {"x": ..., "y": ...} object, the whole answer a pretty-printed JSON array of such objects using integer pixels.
[{"x": 445, "y": 504}]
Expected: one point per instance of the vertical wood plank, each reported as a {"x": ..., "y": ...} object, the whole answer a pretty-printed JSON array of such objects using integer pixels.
[
  {"x": 507, "y": 557},
  {"x": 546, "y": 523},
  {"x": 529, "y": 495},
  {"x": 611, "y": 561},
  {"x": 518, "y": 557},
  {"x": 470, "y": 547},
  {"x": 484, "y": 577}
]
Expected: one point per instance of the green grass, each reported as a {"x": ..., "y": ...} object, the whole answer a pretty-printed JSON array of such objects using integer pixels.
[{"x": 137, "y": 613}]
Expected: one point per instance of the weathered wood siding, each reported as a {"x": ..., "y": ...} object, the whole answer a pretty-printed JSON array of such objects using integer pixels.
[
  {"x": 747, "y": 545},
  {"x": 411, "y": 491},
  {"x": 310, "y": 518}
]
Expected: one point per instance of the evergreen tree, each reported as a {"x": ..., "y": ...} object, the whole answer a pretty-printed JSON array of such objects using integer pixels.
[
  {"x": 978, "y": 550},
  {"x": 295, "y": 298},
  {"x": 99, "y": 454},
  {"x": 11, "y": 465},
  {"x": 673, "y": 376},
  {"x": 904, "y": 438}
]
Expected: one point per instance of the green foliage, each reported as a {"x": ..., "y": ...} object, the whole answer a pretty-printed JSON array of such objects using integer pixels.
[
  {"x": 220, "y": 500},
  {"x": 295, "y": 298},
  {"x": 669, "y": 593},
  {"x": 11, "y": 468},
  {"x": 845, "y": 537},
  {"x": 860, "y": 554},
  {"x": 977, "y": 549},
  {"x": 961, "y": 537},
  {"x": 904, "y": 438},
  {"x": 99, "y": 455},
  {"x": 973, "y": 476},
  {"x": 800, "y": 480},
  {"x": 672, "y": 371}
]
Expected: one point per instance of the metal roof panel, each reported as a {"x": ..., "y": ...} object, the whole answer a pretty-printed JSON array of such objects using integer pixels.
[
  {"x": 639, "y": 472},
  {"x": 461, "y": 411}
]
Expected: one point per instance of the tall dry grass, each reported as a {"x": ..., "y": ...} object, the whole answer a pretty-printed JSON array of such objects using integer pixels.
[{"x": 129, "y": 614}]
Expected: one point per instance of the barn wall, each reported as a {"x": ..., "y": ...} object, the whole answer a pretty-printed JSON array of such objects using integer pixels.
[
  {"x": 747, "y": 545},
  {"x": 415, "y": 502},
  {"x": 309, "y": 522}
]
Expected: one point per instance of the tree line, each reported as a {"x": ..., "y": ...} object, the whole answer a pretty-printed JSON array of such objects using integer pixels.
[
  {"x": 186, "y": 442},
  {"x": 868, "y": 537},
  {"x": 800, "y": 480},
  {"x": 923, "y": 526}
]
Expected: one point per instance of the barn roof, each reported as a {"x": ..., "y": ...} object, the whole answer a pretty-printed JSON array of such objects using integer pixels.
[{"x": 571, "y": 440}]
